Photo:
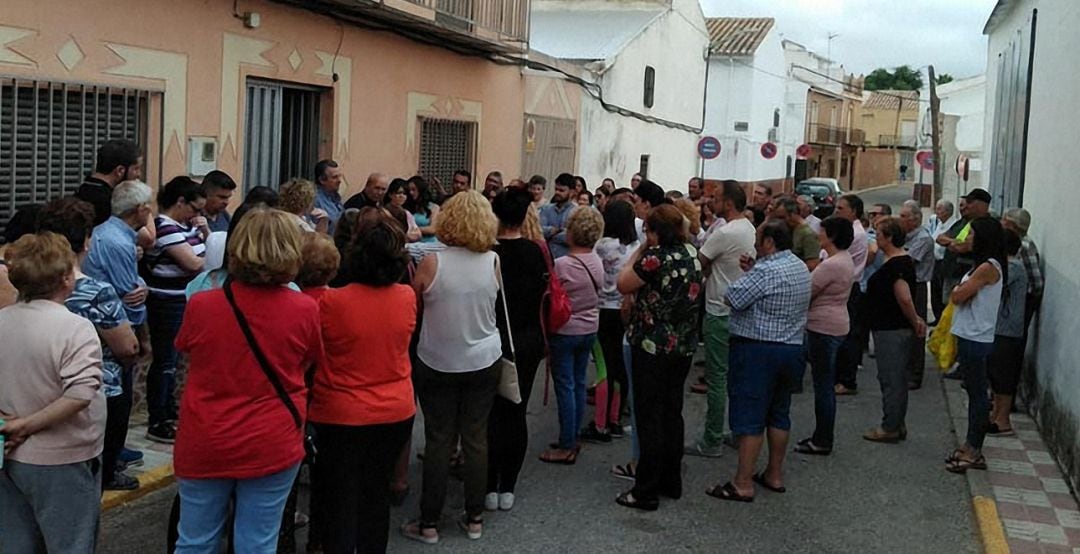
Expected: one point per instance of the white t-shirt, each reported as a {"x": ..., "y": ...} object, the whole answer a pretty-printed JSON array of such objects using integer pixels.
[{"x": 724, "y": 247}]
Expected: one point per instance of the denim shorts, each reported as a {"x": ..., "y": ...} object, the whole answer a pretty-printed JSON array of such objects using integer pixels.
[{"x": 761, "y": 378}]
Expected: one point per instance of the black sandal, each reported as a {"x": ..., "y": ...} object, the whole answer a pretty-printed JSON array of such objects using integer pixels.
[
  {"x": 760, "y": 479},
  {"x": 727, "y": 491},
  {"x": 627, "y": 499},
  {"x": 807, "y": 446},
  {"x": 961, "y": 465},
  {"x": 624, "y": 471}
]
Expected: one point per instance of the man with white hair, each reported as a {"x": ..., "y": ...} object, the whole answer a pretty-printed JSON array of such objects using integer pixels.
[
  {"x": 806, "y": 210},
  {"x": 113, "y": 259},
  {"x": 944, "y": 218},
  {"x": 1018, "y": 220},
  {"x": 920, "y": 247}
]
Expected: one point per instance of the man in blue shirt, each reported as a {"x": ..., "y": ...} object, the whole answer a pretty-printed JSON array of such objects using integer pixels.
[
  {"x": 553, "y": 216},
  {"x": 327, "y": 196},
  {"x": 113, "y": 258},
  {"x": 768, "y": 319},
  {"x": 219, "y": 190}
]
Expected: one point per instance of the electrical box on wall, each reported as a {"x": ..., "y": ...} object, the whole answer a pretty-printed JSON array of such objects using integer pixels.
[{"x": 202, "y": 155}]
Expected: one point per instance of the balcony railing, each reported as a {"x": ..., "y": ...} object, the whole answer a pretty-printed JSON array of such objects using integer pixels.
[
  {"x": 827, "y": 134},
  {"x": 897, "y": 141},
  {"x": 507, "y": 18},
  {"x": 857, "y": 137}
]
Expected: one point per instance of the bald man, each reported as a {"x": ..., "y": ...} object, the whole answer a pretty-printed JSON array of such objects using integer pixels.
[{"x": 373, "y": 193}]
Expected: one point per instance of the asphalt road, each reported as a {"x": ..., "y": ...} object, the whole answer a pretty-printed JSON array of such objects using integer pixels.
[
  {"x": 894, "y": 196},
  {"x": 864, "y": 498}
]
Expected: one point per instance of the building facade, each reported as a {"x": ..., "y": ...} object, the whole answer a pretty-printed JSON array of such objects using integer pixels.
[
  {"x": 1030, "y": 134},
  {"x": 261, "y": 93},
  {"x": 642, "y": 71},
  {"x": 889, "y": 120}
]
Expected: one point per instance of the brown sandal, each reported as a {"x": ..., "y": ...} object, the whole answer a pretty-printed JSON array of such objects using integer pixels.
[{"x": 559, "y": 456}]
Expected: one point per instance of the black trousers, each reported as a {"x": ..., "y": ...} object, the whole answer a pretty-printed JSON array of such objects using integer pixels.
[
  {"x": 455, "y": 405},
  {"x": 917, "y": 360},
  {"x": 850, "y": 355},
  {"x": 508, "y": 433},
  {"x": 352, "y": 472},
  {"x": 937, "y": 290},
  {"x": 118, "y": 412},
  {"x": 658, "y": 403},
  {"x": 610, "y": 337}
]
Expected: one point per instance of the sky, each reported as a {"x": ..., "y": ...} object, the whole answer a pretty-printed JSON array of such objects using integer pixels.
[{"x": 878, "y": 33}]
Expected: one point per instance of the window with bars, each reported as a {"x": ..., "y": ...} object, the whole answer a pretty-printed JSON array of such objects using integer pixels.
[
  {"x": 445, "y": 147},
  {"x": 643, "y": 166},
  {"x": 281, "y": 130},
  {"x": 50, "y": 133},
  {"x": 650, "y": 86}
]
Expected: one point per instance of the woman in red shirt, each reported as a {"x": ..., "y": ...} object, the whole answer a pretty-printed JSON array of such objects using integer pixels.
[
  {"x": 362, "y": 400},
  {"x": 237, "y": 437}
]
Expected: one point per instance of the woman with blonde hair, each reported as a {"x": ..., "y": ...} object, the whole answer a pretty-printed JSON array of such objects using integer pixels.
[
  {"x": 692, "y": 213},
  {"x": 298, "y": 198},
  {"x": 455, "y": 372},
  {"x": 50, "y": 395},
  {"x": 241, "y": 432}
]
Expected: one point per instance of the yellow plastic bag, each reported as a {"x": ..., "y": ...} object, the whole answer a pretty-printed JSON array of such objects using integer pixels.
[{"x": 942, "y": 343}]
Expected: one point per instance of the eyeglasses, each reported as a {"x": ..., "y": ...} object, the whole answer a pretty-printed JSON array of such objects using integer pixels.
[{"x": 873, "y": 214}]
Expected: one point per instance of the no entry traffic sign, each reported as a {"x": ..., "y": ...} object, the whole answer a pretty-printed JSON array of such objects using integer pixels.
[
  {"x": 708, "y": 147},
  {"x": 925, "y": 159},
  {"x": 768, "y": 150},
  {"x": 803, "y": 151}
]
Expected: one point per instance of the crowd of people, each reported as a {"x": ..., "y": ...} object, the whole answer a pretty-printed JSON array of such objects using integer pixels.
[{"x": 303, "y": 328}]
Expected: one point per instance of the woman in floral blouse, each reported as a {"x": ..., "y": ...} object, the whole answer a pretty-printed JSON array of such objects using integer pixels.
[{"x": 666, "y": 278}]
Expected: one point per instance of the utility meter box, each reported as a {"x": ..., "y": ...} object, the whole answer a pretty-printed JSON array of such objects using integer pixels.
[{"x": 202, "y": 155}]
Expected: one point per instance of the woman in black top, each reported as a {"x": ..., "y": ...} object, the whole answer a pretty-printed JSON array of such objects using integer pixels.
[
  {"x": 895, "y": 324},
  {"x": 524, "y": 277}
]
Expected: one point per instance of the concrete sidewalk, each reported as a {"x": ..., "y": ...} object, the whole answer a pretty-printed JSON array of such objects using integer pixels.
[
  {"x": 155, "y": 472},
  {"x": 1022, "y": 502}
]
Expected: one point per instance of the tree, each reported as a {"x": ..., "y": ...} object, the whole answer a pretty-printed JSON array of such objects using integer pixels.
[
  {"x": 944, "y": 78},
  {"x": 902, "y": 78}
]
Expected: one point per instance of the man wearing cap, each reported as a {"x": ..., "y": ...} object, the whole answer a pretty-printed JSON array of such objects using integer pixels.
[
  {"x": 958, "y": 258},
  {"x": 1018, "y": 220}
]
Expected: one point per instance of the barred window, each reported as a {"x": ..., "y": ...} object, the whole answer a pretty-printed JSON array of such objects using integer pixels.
[
  {"x": 281, "y": 129},
  {"x": 50, "y": 133},
  {"x": 445, "y": 147}
]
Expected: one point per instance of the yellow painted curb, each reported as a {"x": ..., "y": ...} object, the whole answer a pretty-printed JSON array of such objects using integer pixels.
[
  {"x": 990, "y": 529},
  {"x": 149, "y": 482}
]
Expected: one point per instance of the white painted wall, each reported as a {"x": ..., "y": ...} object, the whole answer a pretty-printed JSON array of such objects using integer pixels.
[
  {"x": 750, "y": 90},
  {"x": 1050, "y": 194},
  {"x": 610, "y": 144}
]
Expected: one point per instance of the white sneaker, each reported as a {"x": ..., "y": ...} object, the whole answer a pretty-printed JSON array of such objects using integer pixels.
[
  {"x": 491, "y": 501},
  {"x": 506, "y": 501}
]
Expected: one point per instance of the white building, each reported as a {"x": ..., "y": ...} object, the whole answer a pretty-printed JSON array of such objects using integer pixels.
[
  {"x": 646, "y": 60},
  {"x": 963, "y": 109},
  {"x": 748, "y": 101},
  {"x": 1031, "y": 166}
]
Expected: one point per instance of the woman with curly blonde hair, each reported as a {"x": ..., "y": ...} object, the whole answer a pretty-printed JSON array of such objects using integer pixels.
[
  {"x": 298, "y": 198},
  {"x": 692, "y": 213},
  {"x": 455, "y": 371}
]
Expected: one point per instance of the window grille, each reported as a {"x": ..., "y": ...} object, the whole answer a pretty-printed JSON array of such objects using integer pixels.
[
  {"x": 280, "y": 133},
  {"x": 50, "y": 133},
  {"x": 650, "y": 86},
  {"x": 643, "y": 166},
  {"x": 445, "y": 147}
]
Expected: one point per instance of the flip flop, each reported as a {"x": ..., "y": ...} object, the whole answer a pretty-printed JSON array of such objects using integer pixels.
[
  {"x": 960, "y": 465},
  {"x": 624, "y": 472},
  {"x": 727, "y": 491},
  {"x": 760, "y": 479}
]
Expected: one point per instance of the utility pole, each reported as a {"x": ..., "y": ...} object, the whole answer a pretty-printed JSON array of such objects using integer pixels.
[{"x": 935, "y": 135}]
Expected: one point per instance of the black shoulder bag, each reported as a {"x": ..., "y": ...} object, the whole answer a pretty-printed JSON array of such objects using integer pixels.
[{"x": 309, "y": 444}]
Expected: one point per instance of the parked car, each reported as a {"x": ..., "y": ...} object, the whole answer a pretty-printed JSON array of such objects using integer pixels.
[{"x": 824, "y": 190}]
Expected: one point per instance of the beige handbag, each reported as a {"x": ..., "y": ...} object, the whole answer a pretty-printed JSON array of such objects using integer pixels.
[{"x": 508, "y": 376}]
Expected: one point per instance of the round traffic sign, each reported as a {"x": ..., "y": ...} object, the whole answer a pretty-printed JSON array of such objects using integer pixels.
[
  {"x": 708, "y": 147},
  {"x": 925, "y": 159},
  {"x": 768, "y": 150},
  {"x": 803, "y": 151}
]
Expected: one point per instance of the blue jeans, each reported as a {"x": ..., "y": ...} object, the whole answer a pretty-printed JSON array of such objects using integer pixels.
[
  {"x": 761, "y": 377},
  {"x": 973, "y": 356},
  {"x": 570, "y": 357},
  {"x": 164, "y": 316},
  {"x": 823, "y": 350},
  {"x": 204, "y": 507}
]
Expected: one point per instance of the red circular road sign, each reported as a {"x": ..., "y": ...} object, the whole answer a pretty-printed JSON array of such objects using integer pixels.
[
  {"x": 768, "y": 150},
  {"x": 708, "y": 147},
  {"x": 803, "y": 151},
  {"x": 925, "y": 159}
]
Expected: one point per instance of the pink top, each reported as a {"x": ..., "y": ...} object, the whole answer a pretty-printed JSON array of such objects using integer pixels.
[
  {"x": 831, "y": 285},
  {"x": 581, "y": 276}
]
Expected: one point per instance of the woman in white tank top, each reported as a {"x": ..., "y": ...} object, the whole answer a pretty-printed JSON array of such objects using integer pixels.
[
  {"x": 455, "y": 376},
  {"x": 977, "y": 300}
]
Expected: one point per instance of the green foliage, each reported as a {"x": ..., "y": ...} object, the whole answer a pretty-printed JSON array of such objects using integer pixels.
[
  {"x": 902, "y": 78},
  {"x": 944, "y": 78}
]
